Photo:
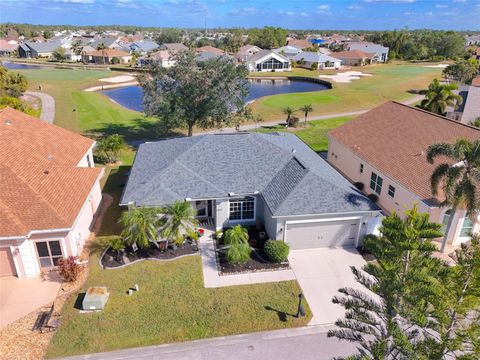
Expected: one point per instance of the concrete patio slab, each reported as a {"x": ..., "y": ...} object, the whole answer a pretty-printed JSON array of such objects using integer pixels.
[
  {"x": 212, "y": 279},
  {"x": 19, "y": 297},
  {"x": 320, "y": 273}
]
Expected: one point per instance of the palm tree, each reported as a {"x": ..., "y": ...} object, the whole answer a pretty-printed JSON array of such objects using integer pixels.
[
  {"x": 140, "y": 226},
  {"x": 236, "y": 235},
  {"x": 459, "y": 181},
  {"x": 306, "y": 109},
  {"x": 178, "y": 220},
  {"x": 289, "y": 112},
  {"x": 438, "y": 97}
]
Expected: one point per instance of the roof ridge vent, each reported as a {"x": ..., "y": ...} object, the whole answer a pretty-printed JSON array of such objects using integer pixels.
[{"x": 8, "y": 122}]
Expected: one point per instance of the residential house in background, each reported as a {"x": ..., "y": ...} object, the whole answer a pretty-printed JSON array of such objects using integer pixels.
[
  {"x": 106, "y": 56},
  {"x": 6, "y": 48},
  {"x": 143, "y": 47},
  {"x": 49, "y": 193},
  {"x": 288, "y": 50},
  {"x": 106, "y": 42},
  {"x": 173, "y": 47},
  {"x": 268, "y": 60},
  {"x": 318, "y": 60},
  {"x": 472, "y": 40},
  {"x": 38, "y": 49},
  {"x": 354, "y": 57},
  {"x": 210, "y": 49},
  {"x": 245, "y": 52},
  {"x": 164, "y": 57},
  {"x": 385, "y": 150},
  {"x": 299, "y": 43},
  {"x": 469, "y": 110},
  {"x": 274, "y": 180},
  {"x": 381, "y": 52}
]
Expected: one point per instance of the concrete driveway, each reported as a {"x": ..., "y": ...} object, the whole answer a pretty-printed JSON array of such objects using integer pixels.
[
  {"x": 19, "y": 297},
  {"x": 320, "y": 273}
]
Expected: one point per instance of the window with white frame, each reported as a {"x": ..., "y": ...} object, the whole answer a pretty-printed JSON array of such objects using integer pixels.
[
  {"x": 376, "y": 183},
  {"x": 49, "y": 252},
  {"x": 242, "y": 209},
  {"x": 391, "y": 191},
  {"x": 446, "y": 218},
  {"x": 202, "y": 208},
  {"x": 467, "y": 227}
]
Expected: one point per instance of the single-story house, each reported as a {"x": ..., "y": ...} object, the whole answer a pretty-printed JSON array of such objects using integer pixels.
[
  {"x": 207, "y": 55},
  {"x": 472, "y": 40},
  {"x": 173, "y": 47},
  {"x": 107, "y": 42},
  {"x": 245, "y": 52},
  {"x": 300, "y": 43},
  {"x": 469, "y": 110},
  {"x": 385, "y": 149},
  {"x": 49, "y": 193},
  {"x": 210, "y": 49},
  {"x": 38, "y": 49},
  {"x": 106, "y": 56},
  {"x": 247, "y": 178},
  {"x": 288, "y": 50},
  {"x": 164, "y": 58},
  {"x": 143, "y": 47},
  {"x": 308, "y": 59},
  {"x": 268, "y": 60},
  {"x": 354, "y": 57},
  {"x": 6, "y": 48},
  {"x": 381, "y": 52}
]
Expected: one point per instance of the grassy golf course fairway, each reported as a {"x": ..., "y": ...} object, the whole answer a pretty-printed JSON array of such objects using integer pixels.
[{"x": 389, "y": 82}]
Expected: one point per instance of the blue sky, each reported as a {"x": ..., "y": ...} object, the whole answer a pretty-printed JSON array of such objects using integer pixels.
[{"x": 293, "y": 14}]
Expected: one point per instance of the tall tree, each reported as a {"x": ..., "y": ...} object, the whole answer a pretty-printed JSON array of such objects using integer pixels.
[
  {"x": 438, "y": 97},
  {"x": 289, "y": 112},
  {"x": 458, "y": 179},
  {"x": 462, "y": 71},
  {"x": 169, "y": 35},
  {"x": 205, "y": 94}
]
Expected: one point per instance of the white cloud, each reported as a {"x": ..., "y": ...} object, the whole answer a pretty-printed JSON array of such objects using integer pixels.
[
  {"x": 441, "y": 6},
  {"x": 391, "y": 1},
  {"x": 323, "y": 9},
  {"x": 354, "y": 7},
  {"x": 77, "y": 1},
  {"x": 429, "y": 13},
  {"x": 459, "y": 1}
]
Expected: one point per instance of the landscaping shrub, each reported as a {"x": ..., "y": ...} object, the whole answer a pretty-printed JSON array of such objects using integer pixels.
[
  {"x": 276, "y": 250},
  {"x": 476, "y": 122},
  {"x": 373, "y": 197},
  {"x": 359, "y": 185},
  {"x": 238, "y": 253},
  {"x": 68, "y": 268},
  {"x": 117, "y": 245},
  {"x": 236, "y": 235},
  {"x": 294, "y": 121}
]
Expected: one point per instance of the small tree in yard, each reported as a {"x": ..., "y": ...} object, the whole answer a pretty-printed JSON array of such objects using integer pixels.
[
  {"x": 177, "y": 222},
  {"x": 314, "y": 66},
  {"x": 306, "y": 109},
  {"x": 439, "y": 96},
  {"x": 289, "y": 112},
  {"x": 140, "y": 226},
  {"x": 205, "y": 94},
  {"x": 108, "y": 149},
  {"x": 236, "y": 235},
  {"x": 59, "y": 54},
  {"x": 69, "y": 269},
  {"x": 238, "y": 253}
]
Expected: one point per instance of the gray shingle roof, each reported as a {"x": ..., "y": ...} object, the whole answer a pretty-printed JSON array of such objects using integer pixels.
[
  {"x": 292, "y": 179},
  {"x": 262, "y": 53},
  {"x": 47, "y": 46}
]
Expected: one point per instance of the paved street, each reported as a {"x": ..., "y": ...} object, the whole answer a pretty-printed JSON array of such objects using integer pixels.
[
  {"x": 308, "y": 343},
  {"x": 48, "y": 105}
]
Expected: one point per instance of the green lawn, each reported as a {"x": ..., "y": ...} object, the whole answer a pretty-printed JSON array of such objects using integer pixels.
[
  {"x": 315, "y": 134},
  {"x": 389, "y": 82},
  {"x": 95, "y": 113}
]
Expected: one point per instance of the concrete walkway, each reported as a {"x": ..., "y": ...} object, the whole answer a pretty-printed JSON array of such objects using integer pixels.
[
  {"x": 307, "y": 343},
  {"x": 212, "y": 279},
  {"x": 48, "y": 105},
  {"x": 19, "y": 297}
]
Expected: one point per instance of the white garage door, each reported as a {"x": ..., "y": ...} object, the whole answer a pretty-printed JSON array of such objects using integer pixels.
[{"x": 322, "y": 234}]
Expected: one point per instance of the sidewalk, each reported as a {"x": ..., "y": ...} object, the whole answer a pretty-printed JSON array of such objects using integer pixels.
[{"x": 212, "y": 279}]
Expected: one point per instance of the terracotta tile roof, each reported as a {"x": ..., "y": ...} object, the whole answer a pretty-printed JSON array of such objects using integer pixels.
[
  {"x": 300, "y": 43},
  {"x": 353, "y": 54},
  {"x": 393, "y": 138},
  {"x": 107, "y": 53},
  {"x": 476, "y": 81},
  {"x": 211, "y": 49},
  {"x": 38, "y": 192}
]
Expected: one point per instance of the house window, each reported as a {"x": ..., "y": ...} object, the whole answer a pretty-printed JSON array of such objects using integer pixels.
[
  {"x": 391, "y": 191},
  {"x": 272, "y": 64},
  {"x": 242, "y": 209},
  {"x": 467, "y": 227},
  {"x": 202, "y": 208},
  {"x": 446, "y": 218},
  {"x": 361, "y": 168},
  {"x": 49, "y": 252},
  {"x": 88, "y": 161},
  {"x": 376, "y": 183}
]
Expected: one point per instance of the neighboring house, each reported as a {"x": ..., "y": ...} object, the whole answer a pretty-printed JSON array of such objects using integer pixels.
[
  {"x": 245, "y": 52},
  {"x": 354, "y": 57},
  {"x": 38, "y": 49},
  {"x": 210, "y": 49},
  {"x": 472, "y": 40},
  {"x": 385, "y": 149},
  {"x": 106, "y": 56},
  {"x": 274, "y": 180},
  {"x": 207, "y": 55},
  {"x": 381, "y": 52},
  {"x": 107, "y": 42},
  {"x": 6, "y": 48},
  {"x": 268, "y": 60},
  {"x": 70, "y": 55},
  {"x": 143, "y": 47},
  {"x": 173, "y": 47},
  {"x": 49, "y": 193},
  {"x": 300, "y": 43},
  {"x": 308, "y": 60},
  {"x": 288, "y": 50},
  {"x": 469, "y": 109},
  {"x": 164, "y": 58}
]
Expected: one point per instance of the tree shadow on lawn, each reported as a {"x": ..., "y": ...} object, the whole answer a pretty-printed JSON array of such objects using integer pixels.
[
  {"x": 282, "y": 315},
  {"x": 140, "y": 128}
]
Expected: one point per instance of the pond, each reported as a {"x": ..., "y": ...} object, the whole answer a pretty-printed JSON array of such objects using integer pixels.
[
  {"x": 18, "y": 66},
  {"x": 131, "y": 96}
]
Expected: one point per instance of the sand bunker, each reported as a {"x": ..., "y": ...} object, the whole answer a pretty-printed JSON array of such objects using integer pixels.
[
  {"x": 118, "y": 79},
  {"x": 441, "y": 66},
  {"x": 345, "y": 77}
]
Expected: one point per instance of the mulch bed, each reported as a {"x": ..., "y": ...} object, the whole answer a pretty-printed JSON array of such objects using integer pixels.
[
  {"x": 255, "y": 264},
  {"x": 112, "y": 260}
]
